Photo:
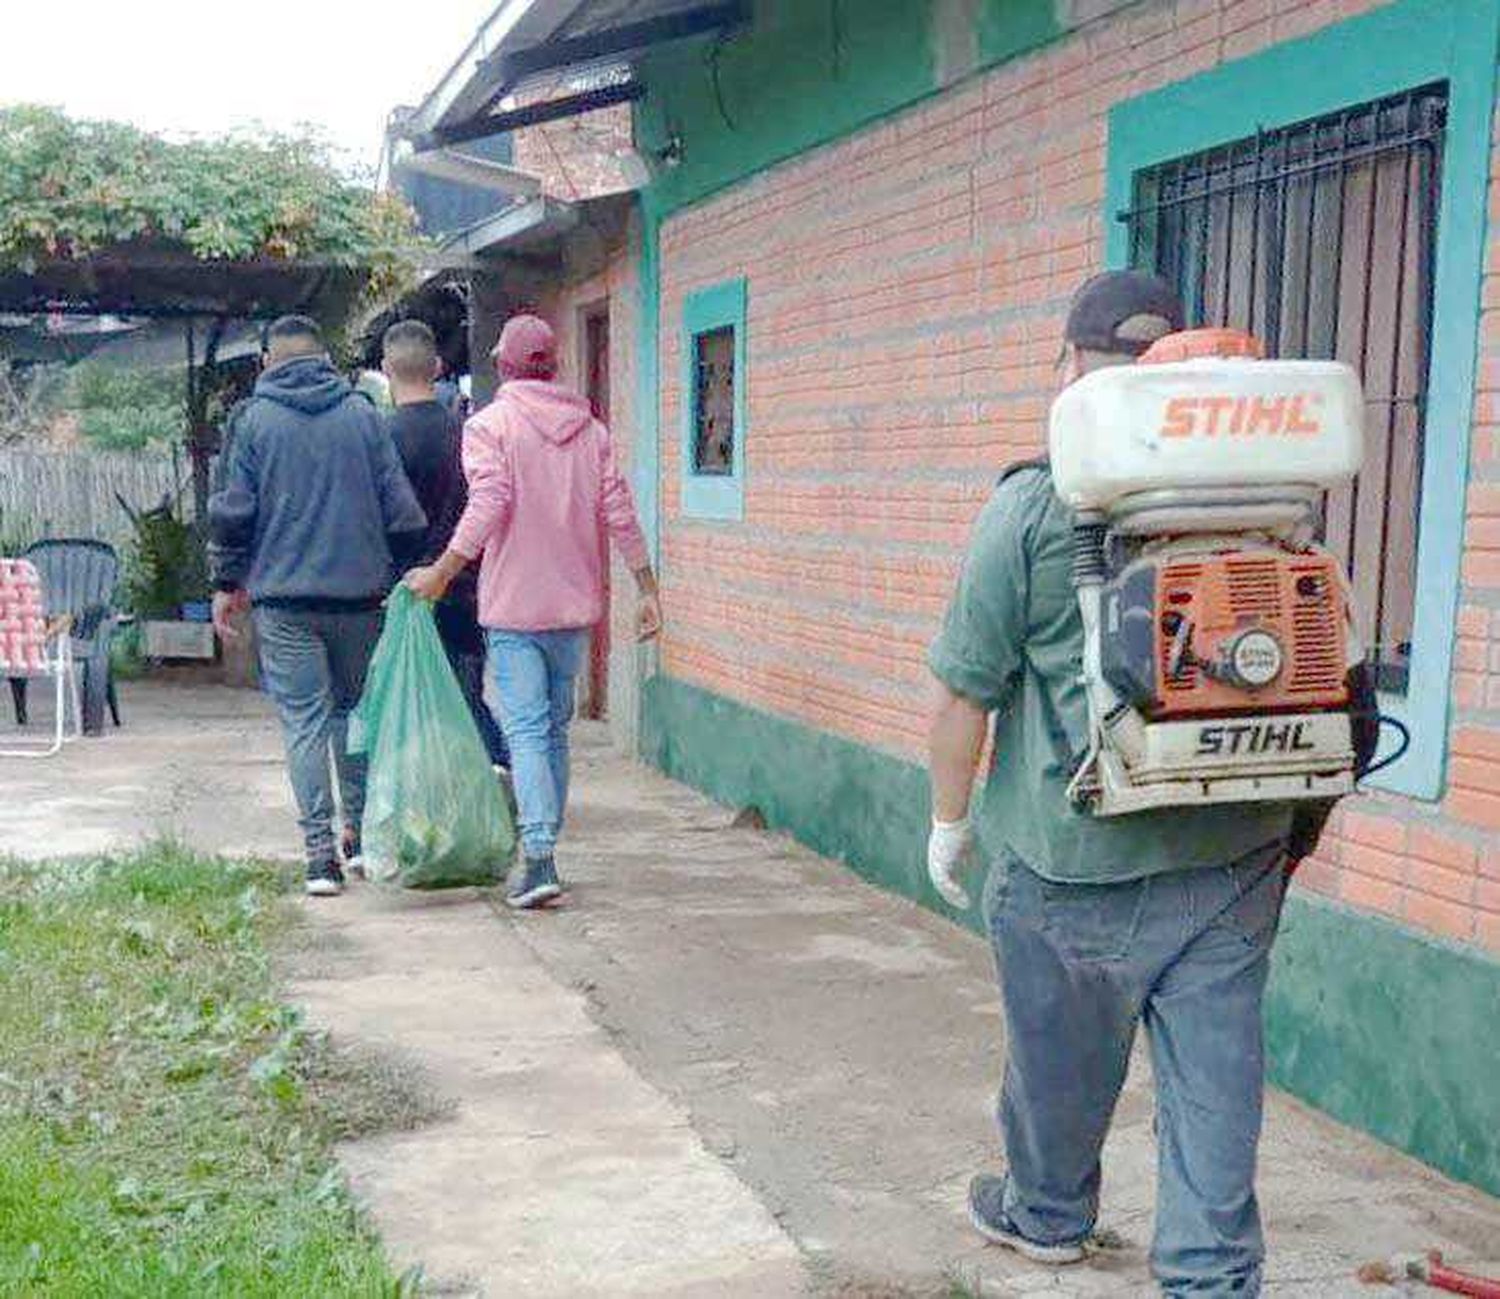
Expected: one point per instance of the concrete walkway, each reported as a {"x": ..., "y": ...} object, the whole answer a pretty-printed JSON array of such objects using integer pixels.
[
  {"x": 562, "y": 1171},
  {"x": 727, "y": 1067}
]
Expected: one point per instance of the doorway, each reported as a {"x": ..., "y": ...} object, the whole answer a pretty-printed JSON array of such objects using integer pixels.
[{"x": 594, "y": 337}]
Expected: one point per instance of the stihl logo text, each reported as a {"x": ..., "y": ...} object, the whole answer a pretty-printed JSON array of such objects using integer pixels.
[
  {"x": 1253, "y": 737},
  {"x": 1292, "y": 415}
]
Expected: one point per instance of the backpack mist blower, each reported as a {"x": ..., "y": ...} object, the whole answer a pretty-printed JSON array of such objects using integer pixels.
[{"x": 1221, "y": 658}]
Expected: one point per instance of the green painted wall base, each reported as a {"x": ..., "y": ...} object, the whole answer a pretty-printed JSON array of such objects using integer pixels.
[
  {"x": 1381, "y": 1028},
  {"x": 1390, "y": 1032},
  {"x": 841, "y": 799}
]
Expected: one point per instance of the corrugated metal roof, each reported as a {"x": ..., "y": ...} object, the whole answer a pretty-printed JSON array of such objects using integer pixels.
[
  {"x": 596, "y": 16},
  {"x": 534, "y": 42}
]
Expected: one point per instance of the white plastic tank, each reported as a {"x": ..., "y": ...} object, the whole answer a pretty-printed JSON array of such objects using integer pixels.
[{"x": 1205, "y": 423}]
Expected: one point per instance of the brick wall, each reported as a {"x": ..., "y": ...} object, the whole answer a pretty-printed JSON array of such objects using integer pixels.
[
  {"x": 906, "y": 292},
  {"x": 577, "y": 157}
]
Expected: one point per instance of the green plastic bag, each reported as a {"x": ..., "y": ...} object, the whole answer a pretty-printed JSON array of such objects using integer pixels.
[{"x": 434, "y": 814}]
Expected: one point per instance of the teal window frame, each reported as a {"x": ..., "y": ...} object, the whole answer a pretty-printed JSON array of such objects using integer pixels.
[
  {"x": 1403, "y": 46},
  {"x": 714, "y": 496}
]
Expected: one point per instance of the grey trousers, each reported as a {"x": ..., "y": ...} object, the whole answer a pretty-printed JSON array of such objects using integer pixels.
[
  {"x": 313, "y": 666},
  {"x": 1185, "y": 955}
]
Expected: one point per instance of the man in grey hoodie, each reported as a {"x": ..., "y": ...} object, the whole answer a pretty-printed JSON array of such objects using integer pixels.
[{"x": 313, "y": 506}]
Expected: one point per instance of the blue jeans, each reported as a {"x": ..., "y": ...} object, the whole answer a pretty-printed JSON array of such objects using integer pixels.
[
  {"x": 313, "y": 666},
  {"x": 1186, "y": 955},
  {"x": 534, "y": 674}
]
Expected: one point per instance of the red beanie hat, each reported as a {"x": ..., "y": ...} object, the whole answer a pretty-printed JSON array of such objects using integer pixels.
[{"x": 527, "y": 348}]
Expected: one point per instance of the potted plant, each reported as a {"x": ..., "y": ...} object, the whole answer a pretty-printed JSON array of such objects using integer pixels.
[{"x": 166, "y": 583}]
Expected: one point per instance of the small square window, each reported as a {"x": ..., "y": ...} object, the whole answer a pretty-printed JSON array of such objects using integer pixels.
[{"x": 713, "y": 403}]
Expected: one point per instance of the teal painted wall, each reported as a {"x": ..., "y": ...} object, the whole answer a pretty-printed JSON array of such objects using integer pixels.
[
  {"x": 1007, "y": 28},
  {"x": 1383, "y": 1029},
  {"x": 794, "y": 79},
  {"x": 806, "y": 72},
  {"x": 1390, "y": 1032},
  {"x": 646, "y": 453}
]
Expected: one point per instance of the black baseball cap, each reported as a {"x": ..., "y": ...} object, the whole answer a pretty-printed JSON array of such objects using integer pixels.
[{"x": 1123, "y": 312}]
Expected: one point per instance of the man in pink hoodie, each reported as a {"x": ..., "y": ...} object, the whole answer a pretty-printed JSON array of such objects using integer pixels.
[{"x": 543, "y": 491}]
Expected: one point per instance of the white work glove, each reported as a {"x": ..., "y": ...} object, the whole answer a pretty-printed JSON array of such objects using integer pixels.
[{"x": 950, "y": 853}]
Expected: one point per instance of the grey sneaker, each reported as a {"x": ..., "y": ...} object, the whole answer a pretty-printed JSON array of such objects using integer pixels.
[
  {"x": 534, "y": 885},
  {"x": 324, "y": 880},
  {"x": 987, "y": 1213}
]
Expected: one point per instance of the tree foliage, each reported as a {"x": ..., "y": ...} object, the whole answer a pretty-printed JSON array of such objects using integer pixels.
[
  {"x": 122, "y": 409},
  {"x": 115, "y": 408},
  {"x": 70, "y": 188}
]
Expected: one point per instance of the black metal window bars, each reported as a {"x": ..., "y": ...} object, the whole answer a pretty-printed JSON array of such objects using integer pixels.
[
  {"x": 1321, "y": 239},
  {"x": 713, "y": 402}
]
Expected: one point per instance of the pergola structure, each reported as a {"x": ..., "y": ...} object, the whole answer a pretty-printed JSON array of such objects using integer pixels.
[{"x": 154, "y": 281}]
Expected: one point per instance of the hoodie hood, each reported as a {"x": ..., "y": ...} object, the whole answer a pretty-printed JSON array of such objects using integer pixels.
[
  {"x": 556, "y": 413},
  {"x": 308, "y": 384}
]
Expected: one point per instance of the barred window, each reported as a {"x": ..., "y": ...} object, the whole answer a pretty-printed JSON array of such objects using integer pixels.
[
  {"x": 1321, "y": 239},
  {"x": 713, "y": 401}
]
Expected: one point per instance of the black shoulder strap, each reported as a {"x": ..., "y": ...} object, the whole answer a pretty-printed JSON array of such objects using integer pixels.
[{"x": 1038, "y": 462}]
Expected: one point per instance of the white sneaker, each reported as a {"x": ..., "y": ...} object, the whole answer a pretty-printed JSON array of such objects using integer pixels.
[{"x": 324, "y": 881}]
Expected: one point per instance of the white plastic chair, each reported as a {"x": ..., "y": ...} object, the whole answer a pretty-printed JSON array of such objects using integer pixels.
[{"x": 30, "y": 651}]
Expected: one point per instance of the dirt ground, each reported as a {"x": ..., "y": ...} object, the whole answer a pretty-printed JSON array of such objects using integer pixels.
[{"x": 727, "y": 1067}]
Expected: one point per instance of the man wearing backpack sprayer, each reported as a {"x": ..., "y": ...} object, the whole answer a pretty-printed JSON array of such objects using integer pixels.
[
  {"x": 1163, "y": 918},
  {"x": 542, "y": 482}
]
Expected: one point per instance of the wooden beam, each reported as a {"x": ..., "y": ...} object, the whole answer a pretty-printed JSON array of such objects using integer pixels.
[{"x": 550, "y": 110}]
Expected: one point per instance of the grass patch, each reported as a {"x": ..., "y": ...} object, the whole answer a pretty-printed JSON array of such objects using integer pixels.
[{"x": 163, "y": 1127}]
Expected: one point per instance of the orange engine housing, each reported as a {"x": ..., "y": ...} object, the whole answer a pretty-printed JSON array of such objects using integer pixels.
[{"x": 1260, "y": 630}]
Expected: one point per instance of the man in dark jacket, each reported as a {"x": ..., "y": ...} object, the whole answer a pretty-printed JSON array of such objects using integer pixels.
[
  {"x": 429, "y": 439},
  {"x": 312, "y": 503}
]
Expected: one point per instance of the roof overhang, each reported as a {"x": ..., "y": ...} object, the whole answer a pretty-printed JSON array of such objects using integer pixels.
[
  {"x": 587, "y": 46},
  {"x": 157, "y": 345},
  {"x": 541, "y": 233},
  {"x": 142, "y": 280},
  {"x": 517, "y": 230},
  {"x": 466, "y": 169}
]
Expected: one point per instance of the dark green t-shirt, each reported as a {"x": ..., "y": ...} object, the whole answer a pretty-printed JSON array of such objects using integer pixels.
[{"x": 1013, "y": 643}]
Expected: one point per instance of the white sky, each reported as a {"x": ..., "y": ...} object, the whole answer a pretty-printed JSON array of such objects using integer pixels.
[{"x": 190, "y": 66}]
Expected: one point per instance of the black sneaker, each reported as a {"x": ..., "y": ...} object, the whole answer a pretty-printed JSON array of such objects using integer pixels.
[
  {"x": 535, "y": 885},
  {"x": 324, "y": 880},
  {"x": 987, "y": 1214}
]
